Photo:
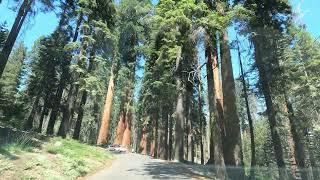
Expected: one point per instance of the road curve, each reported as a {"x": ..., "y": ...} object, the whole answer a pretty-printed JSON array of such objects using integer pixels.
[{"x": 139, "y": 167}]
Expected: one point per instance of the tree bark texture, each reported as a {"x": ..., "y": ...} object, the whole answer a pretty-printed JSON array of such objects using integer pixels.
[
  {"x": 104, "y": 129},
  {"x": 120, "y": 127},
  {"x": 232, "y": 141},
  {"x": 179, "y": 127},
  {"x": 299, "y": 148},
  {"x": 29, "y": 123},
  {"x": 143, "y": 142}
]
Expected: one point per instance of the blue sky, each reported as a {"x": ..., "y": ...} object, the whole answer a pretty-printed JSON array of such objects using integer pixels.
[
  {"x": 309, "y": 14},
  {"x": 34, "y": 27}
]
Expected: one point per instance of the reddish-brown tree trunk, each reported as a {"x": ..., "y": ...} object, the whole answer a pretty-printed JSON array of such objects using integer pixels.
[
  {"x": 232, "y": 141},
  {"x": 217, "y": 91},
  {"x": 143, "y": 142},
  {"x": 210, "y": 85},
  {"x": 104, "y": 129},
  {"x": 189, "y": 124},
  {"x": 126, "y": 139},
  {"x": 217, "y": 127},
  {"x": 120, "y": 127}
]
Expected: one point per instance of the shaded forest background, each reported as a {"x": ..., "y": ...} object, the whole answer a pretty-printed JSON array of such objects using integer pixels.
[{"x": 130, "y": 72}]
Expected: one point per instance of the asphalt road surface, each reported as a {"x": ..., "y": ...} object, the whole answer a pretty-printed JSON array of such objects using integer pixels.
[{"x": 132, "y": 166}]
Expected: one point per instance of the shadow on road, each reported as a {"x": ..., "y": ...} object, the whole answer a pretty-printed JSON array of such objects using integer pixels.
[{"x": 173, "y": 170}]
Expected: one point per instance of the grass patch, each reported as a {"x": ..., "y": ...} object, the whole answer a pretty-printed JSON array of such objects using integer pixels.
[
  {"x": 56, "y": 159},
  {"x": 73, "y": 149},
  {"x": 77, "y": 158},
  {"x": 20, "y": 144}
]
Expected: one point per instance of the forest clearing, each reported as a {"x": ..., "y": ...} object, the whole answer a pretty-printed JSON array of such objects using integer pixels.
[{"x": 159, "y": 89}]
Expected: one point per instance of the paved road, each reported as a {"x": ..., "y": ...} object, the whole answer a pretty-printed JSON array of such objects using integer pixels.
[{"x": 140, "y": 167}]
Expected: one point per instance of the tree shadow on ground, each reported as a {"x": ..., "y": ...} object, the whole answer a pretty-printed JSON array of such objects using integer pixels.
[
  {"x": 19, "y": 140},
  {"x": 174, "y": 170},
  {"x": 8, "y": 155}
]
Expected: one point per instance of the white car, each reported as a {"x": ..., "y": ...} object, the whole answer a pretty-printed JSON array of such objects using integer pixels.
[
  {"x": 121, "y": 149},
  {"x": 117, "y": 148}
]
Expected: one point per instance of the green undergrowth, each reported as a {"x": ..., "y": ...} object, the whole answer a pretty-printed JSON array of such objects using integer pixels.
[
  {"x": 56, "y": 159},
  {"x": 20, "y": 144}
]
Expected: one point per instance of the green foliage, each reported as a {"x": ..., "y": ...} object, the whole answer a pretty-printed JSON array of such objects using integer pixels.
[
  {"x": 11, "y": 109},
  {"x": 22, "y": 143},
  {"x": 273, "y": 14},
  {"x": 282, "y": 53},
  {"x": 3, "y": 34},
  {"x": 75, "y": 158},
  {"x": 48, "y": 61},
  {"x": 134, "y": 28},
  {"x": 266, "y": 167},
  {"x": 59, "y": 159},
  {"x": 97, "y": 45},
  {"x": 299, "y": 53},
  {"x": 74, "y": 149}
]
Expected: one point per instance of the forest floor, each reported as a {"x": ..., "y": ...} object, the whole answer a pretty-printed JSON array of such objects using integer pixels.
[
  {"x": 56, "y": 158},
  {"x": 140, "y": 167}
]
